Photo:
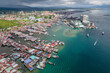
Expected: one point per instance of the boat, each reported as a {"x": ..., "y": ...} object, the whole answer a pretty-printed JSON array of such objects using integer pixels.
[
  {"x": 95, "y": 42},
  {"x": 55, "y": 56},
  {"x": 39, "y": 67},
  {"x": 30, "y": 33},
  {"x": 102, "y": 33},
  {"x": 51, "y": 63},
  {"x": 54, "y": 35},
  {"x": 19, "y": 41},
  {"x": 54, "y": 53},
  {"x": 87, "y": 35},
  {"x": 28, "y": 43}
]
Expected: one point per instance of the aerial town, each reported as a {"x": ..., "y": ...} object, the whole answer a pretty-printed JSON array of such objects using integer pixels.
[{"x": 36, "y": 52}]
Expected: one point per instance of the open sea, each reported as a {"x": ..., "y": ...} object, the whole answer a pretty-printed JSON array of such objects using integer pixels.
[{"x": 79, "y": 55}]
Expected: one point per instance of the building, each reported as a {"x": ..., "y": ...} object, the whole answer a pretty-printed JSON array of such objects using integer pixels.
[
  {"x": 84, "y": 18},
  {"x": 86, "y": 23},
  {"x": 77, "y": 24}
]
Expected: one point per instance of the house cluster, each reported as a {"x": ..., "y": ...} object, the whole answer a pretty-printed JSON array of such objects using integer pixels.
[
  {"x": 31, "y": 57},
  {"x": 31, "y": 17},
  {"x": 82, "y": 22},
  {"x": 7, "y": 65}
]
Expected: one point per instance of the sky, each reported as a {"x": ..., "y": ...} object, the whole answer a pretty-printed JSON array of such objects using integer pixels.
[{"x": 54, "y": 3}]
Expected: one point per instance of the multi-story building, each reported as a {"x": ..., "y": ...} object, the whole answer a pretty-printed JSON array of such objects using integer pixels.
[{"x": 84, "y": 18}]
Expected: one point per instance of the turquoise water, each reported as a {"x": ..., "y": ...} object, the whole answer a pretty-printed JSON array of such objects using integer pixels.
[{"x": 79, "y": 54}]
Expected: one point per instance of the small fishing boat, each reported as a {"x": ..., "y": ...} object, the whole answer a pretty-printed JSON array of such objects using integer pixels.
[
  {"x": 54, "y": 35},
  {"x": 51, "y": 63},
  {"x": 55, "y": 56},
  {"x": 95, "y": 42},
  {"x": 28, "y": 43},
  {"x": 102, "y": 33},
  {"x": 39, "y": 67},
  {"x": 30, "y": 33},
  {"x": 19, "y": 41},
  {"x": 87, "y": 35}
]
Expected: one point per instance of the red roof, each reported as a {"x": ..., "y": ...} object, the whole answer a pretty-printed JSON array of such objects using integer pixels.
[
  {"x": 0, "y": 57},
  {"x": 52, "y": 44},
  {"x": 24, "y": 48},
  {"x": 35, "y": 50}
]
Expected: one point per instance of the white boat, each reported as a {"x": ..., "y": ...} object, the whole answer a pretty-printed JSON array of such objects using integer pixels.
[
  {"x": 19, "y": 41},
  {"x": 95, "y": 42},
  {"x": 39, "y": 67},
  {"x": 51, "y": 63},
  {"x": 102, "y": 33},
  {"x": 55, "y": 56},
  {"x": 87, "y": 35},
  {"x": 54, "y": 35}
]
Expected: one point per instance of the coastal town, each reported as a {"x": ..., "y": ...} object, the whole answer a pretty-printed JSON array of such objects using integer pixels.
[{"x": 36, "y": 52}]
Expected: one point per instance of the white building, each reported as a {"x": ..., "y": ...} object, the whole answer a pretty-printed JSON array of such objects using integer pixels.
[
  {"x": 32, "y": 18},
  {"x": 84, "y": 18}
]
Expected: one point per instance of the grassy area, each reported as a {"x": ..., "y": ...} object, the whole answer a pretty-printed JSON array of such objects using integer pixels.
[
  {"x": 50, "y": 17},
  {"x": 25, "y": 20},
  {"x": 7, "y": 23},
  {"x": 37, "y": 17},
  {"x": 68, "y": 20}
]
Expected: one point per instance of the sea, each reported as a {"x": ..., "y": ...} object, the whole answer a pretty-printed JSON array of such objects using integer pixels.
[{"x": 79, "y": 55}]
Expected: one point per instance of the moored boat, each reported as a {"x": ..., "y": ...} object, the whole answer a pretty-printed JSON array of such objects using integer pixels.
[
  {"x": 95, "y": 42},
  {"x": 51, "y": 63},
  {"x": 87, "y": 35},
  {"x": 102, "y": 33},
  {"x": 55, "y": 56},
  {"x": 39, "y": 67}
]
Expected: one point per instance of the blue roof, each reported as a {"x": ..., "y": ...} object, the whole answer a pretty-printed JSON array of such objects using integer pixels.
[
  {"x": 15, "y": 57},
  {"x": 49, "y": 43},
  {"x": 39, "y": 52},
  {"x": 37, "y": 42},
  {"x": 2, "y": 59},
  {"x": 10, "y": 36},
  {"x": 27, "y": 61},
  {"x": 30, "y": 68},
  {"x": 32, "y": 57},
  {"x": 46, "y": 53},
  {"x": 15, "y": 53},
  {"x": 38, "y": 47}
]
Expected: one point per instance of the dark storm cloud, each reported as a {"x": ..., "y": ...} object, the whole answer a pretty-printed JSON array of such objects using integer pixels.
[{"x": 35, "y": 3}]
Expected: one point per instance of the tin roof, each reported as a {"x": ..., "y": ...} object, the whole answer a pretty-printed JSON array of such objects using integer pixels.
[
  {"x": 8, "y": 69},
  {"x": 32, "y": 57},
  {"x": 27, "y": 61}
]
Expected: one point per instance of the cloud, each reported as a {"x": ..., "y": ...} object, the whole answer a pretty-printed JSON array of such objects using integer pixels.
[
  {"x": 99, "y": 2},
  {"x": 51, "y": 3},
  {"x": 47, "y": 3}
]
